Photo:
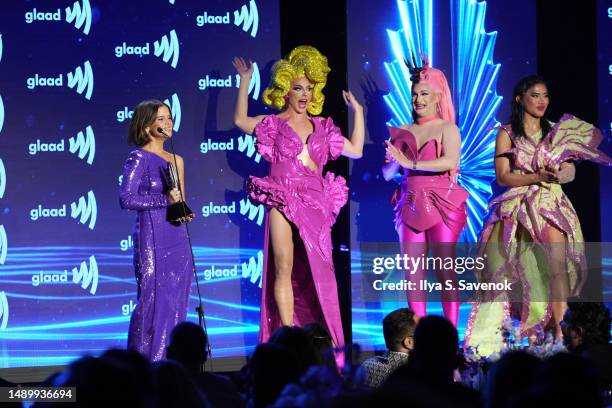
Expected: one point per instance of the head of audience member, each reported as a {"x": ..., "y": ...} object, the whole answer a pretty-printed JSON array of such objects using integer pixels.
[
  {"x": 585, "y": 324},
  {"x": 270, "y": 369},
  {"x": 512, "y": 375},
  {"x": 175, "y": 387},
  {"x": 322, "y": 342},
  {"x": 435, "y": 354},
  {"x": 564, "y": 380},
  {"x": 188, "y": 344},
  {"x": 106, "y": 382},
  {"x": 398, "y": 329},
  {"x": 297, "y": 341}
]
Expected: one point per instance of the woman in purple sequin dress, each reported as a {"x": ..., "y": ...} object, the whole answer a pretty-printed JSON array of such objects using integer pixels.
[
  {"x": 162, "y": 257},
  {"x": 299, "y": 283}
]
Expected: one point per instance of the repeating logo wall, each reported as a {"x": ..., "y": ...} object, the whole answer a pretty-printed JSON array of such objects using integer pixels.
[{"x": 78, "y": 15}]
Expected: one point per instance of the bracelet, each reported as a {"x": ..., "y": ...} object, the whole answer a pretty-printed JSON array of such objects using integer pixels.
[{"x": 414, "y": 163}]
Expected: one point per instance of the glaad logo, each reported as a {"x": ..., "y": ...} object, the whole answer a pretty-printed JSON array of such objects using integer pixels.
[
  {"x": 126, "y": 244},
  {"x": 124, "y": 114},
  {"x": 246, "y": 144},
  {"x": 253, "y": 269},
  {"x": 49, "y": 278},
  {"x": 82, "y": 78},
  {"x": 210, "y": 209},
  {"x": 88, "y": 276},
  {"x": 254, "y": 211},
  {"x": 128, "y": 308},
  {"x": 175, "y": 108},
  {"x": 254, "y": 83},
  {"x": 210, "y": 146},
  {"x": 84, "y": 144},
  {"x": 80, "y": 14},
  {"x": 215, "y": 273},
  {"x": 85, "y": 210},
  {"x": 4, "y": 310},
  {"x": 2, "y": 179},
  {"x": 247, "y": 16},
  {"x": 3, "y": 245},
  {"x": 1, "y": 113},
  {"x": 167, "y": 48}
]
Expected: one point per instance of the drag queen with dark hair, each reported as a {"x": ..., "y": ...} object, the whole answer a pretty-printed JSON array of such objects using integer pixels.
[
  {"x": 532, "y": 236},
  {"x": 299, "y": 283},
  {"x": 429, "y": 204}
]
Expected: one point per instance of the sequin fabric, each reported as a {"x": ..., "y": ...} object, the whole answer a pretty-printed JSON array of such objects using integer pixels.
[
  {"x": 162, "y": 259},
  {"x": 310, "y": 201},
  {"x": 514, "y": 235}
]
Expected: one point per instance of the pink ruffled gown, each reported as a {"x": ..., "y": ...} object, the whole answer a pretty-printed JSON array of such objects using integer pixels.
[
  {"x": 310, "y": 201},
  {"x": 429, "y": 208}
]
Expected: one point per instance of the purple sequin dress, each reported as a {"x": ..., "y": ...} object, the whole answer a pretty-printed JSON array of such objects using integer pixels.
[
  {"x": 310, "y": 201},
  {"x": 162, "y": 259}
]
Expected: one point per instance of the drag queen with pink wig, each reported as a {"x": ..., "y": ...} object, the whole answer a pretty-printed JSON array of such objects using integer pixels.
[
  {"x": 299, "y": 283},
  {"x": 429, "y": 204}
]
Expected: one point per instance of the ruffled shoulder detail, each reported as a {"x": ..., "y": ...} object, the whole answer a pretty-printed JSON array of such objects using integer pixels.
[
  {"x": 575, "y": 139},
  {"x": 334, "y": 137},
  {"x": 275, "y": 140}
]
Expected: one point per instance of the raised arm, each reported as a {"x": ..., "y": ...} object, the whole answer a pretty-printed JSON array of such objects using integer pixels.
[
  {"x": 353, "y": 148},
  {"x": 503, "y": 173},
  {"x": 241, "y": 118}
]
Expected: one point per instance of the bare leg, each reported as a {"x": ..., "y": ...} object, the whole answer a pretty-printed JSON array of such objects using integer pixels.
[
  {"x": 558, "y": 276},
  {"x": 282, "y": 247}
]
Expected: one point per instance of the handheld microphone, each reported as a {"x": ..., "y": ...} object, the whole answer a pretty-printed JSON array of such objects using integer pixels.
[{"x": 161, "y": 131}]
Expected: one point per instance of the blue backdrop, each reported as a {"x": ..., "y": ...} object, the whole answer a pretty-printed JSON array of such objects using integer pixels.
[{"x": 72, "y": 71}]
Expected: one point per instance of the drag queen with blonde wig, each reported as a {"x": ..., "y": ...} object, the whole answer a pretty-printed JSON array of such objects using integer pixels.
[{"x": 299, "y": 283}]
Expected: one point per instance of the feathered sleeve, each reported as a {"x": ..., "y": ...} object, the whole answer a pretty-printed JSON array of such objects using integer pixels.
[
  {"x": 334, "y": 138},
  {"x": 129, "y": 196}
]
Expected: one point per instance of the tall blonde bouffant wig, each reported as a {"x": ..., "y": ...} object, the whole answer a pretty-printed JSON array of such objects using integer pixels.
[{"x": 303, "y": 61}]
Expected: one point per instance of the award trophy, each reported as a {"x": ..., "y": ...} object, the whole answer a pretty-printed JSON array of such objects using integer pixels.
[{"x": 177, "y": 212}]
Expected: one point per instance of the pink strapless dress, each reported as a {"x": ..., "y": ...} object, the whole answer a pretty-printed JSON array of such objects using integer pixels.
[
  {"x": 425, "y": 199},
  {"x": 311, "y": 201}
]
